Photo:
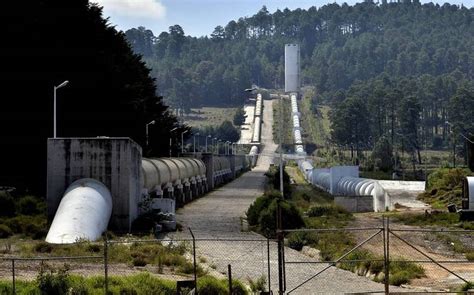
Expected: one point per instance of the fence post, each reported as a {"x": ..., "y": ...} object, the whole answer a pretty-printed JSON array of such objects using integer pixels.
[
  {"x": 229, "y": 272},
  {"x": 106, "y": 265},
  {"x": 13, "y": 277},
  {"x": 385, "y": 254},
  {"x": 194, "y": 261},
  {"x": 280, "y": 246},
  {"x": 387, "y": 261},
  {"x": 268, "y": 264}
]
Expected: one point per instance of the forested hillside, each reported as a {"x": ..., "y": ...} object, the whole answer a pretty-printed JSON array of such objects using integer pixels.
[{"x": 385, "y": 68}]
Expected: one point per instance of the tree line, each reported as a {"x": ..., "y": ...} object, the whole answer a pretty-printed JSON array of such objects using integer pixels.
[
  {"x": 387, "y": 68},
  {"x": 110, "y": 90}
]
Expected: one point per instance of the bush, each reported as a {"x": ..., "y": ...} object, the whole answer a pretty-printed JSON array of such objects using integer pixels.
[
  {"x": 444, "y": 187},
  {"x": 296, "y": 240},
  {"x": 261, "y": 203},
  {"x": 470, "y": 256},
  {"x": 5, "y": 231},
  {"x": 28, "y": 205},
  {"x": 43, "y": 247},
  {"x": 321, "y": 210},
  {"x": 212, "y": 286},
  {"x": 258, "y": 285},
  {"x": 7, "y": 204},
  {"x": 290, "y": 216},
  {"x": 51, "y": 282}
]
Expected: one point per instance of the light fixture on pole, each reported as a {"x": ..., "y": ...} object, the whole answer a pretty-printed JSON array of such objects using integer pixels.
[
  {"x": 146, "y": 131},
  {"x": 194, "y": 142},
  {"x": 182, "y": 140},
  {"x": 209, "y": 136},
  {"x": 213, "y": 145},
  {"x": 56, "y": 88},
  {"x": 171, "y": 138}
]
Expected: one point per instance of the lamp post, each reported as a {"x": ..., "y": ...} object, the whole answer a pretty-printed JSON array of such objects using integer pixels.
[
  {"x": 56, "y": 88},
  {"x": 146, "y": 131},
  {"x": 194, "y": 142},
  {"x": 171, "y": 138},
  {"x": 182, "y": 141},
  {"x": 213, "y": 144},
  {"x": 209, "y": 136}
]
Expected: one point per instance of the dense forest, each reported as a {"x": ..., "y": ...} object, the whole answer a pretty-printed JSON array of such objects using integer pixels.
[
  {"x": 110, "y": 91},
  {"x": 385, "y": 69}
]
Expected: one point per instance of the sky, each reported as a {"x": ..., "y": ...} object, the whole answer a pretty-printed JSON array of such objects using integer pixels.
[{"x": 200, "y": 17}]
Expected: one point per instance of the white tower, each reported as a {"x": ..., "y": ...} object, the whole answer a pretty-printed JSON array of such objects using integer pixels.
[{"x": 292, "y": 68}]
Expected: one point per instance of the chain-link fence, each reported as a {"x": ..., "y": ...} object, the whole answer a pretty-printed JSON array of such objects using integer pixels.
[
  {"x": 309, "y": 261},
  {"x": 357, "y": 260},
  {"x": 248, "y": 263}
]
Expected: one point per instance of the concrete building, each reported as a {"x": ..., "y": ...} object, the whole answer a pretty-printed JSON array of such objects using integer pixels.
[{"x": 292, "y": 68}]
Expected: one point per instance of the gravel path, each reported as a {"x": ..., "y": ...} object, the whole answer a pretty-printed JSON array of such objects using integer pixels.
[{"x": 217, "y": 215}]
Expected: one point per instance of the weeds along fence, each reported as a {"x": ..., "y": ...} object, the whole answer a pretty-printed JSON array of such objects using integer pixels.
[
  {"x": 392, "y": 259},
  {"x": 185, "y": 260}
]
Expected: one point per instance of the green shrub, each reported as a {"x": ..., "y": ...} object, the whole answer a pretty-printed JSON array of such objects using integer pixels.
[
  {"x": 139, "y": 260},
  {"x": 290, "y": 216},
  {"x": 329, "y": 209},
  {"x": 258, "y": 285},
  {"x": 212, "y": 286},
  {"x": 470, "y": 256},
  {"x": 5, "y": 231},
  {"x": 444, "y": 187},
  {"x": 401, "y": 272},
  {"x": 51, "y": 282},
  {"x": 238, "y": 288},
  {"x": 43, "y": 247},
  {"x": 261, "y": 203},
  {"x": 94, "y": 248},
  {"x": 28, "y": 205},
  {"x": 7, "y": 204},
  {"x": 399, "y": 278},
  {"x": 296, "y": 240}
]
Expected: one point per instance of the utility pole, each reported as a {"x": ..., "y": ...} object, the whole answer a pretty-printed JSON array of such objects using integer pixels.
[{"x": 281, "y": 146}]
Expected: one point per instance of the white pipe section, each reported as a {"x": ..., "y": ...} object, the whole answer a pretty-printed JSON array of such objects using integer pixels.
[
  {"x": 256, "y": 130},
  {"x": 83, "y": 213}
]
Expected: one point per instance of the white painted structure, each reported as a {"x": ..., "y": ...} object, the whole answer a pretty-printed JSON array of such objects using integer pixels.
[
  {"x": 83, "y": 213},
  {"x": 292, "y": 68},
  {"x": 298, "y": 140},
  {"x": 468, "y": 194},
  {"x": 345, "y": 181}
]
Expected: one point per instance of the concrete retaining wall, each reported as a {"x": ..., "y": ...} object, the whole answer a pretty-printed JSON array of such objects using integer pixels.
[{"x": 355, "y": 203}]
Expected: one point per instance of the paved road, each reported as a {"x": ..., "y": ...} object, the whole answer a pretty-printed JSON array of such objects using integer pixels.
[{"x": 217, "y": 215}]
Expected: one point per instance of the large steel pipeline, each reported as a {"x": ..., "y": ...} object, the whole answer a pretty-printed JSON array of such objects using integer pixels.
[{"x": 83, "y": 213}]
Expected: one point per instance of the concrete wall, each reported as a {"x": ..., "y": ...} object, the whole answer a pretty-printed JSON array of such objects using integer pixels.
[
  {"x": 414, "y": 186},
  {"x": 355, "y": 203},
  {"x": 116, "y": 162}
]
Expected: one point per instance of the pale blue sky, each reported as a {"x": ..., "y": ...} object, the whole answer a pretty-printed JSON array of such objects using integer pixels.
[{"x": 200, "y": 17}]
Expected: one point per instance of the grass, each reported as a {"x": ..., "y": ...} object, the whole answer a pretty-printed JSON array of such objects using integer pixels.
[
  {"x": 140, "y": 284},
  {"x": 287, "y": 126},
  {"x": 209, "y": 116},
  {"x": 317, "y": 126},
  {"x": 171, "y": 256}
]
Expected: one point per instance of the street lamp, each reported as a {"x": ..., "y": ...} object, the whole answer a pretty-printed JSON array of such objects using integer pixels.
[
  {"x": 209, "y": 136},
  {"x": 146, "y": 130},
  {"x": 213, "y": 144},
  {"x": 182, "y": 141},
  {"x": 56, "y": 88},
  {"x": 194, "y": 142},
  {"x": 171, "y": 138}
]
